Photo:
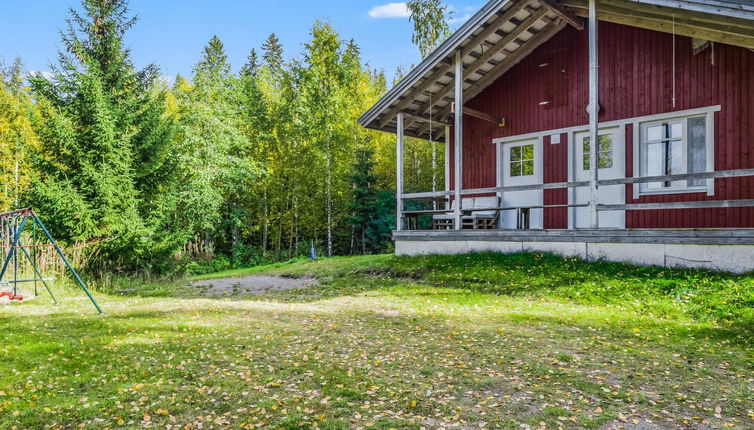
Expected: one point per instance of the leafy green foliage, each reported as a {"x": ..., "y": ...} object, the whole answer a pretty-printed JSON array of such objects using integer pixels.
[
  {"x": 249, "y": 167},
  {"x": 430, "y": 18},
  {"x": 16, "y": 135}
]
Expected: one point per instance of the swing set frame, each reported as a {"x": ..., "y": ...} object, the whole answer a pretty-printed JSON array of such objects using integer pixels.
[{"x": 12, "y": 224}]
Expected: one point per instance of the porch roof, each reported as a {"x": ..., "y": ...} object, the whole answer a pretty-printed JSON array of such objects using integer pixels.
[{"x": 504, "y": 32}]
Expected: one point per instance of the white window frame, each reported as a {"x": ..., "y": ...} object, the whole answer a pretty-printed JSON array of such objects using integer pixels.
[
  {"x": 639, "y": 132},
  {"x": 504, "y": 151}
]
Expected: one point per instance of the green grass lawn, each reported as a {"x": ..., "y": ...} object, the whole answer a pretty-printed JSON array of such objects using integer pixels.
[{"x": 469, "y": 342}]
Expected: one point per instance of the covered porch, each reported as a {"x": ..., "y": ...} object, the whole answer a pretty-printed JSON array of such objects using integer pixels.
[{"x": 594, "y": 198}]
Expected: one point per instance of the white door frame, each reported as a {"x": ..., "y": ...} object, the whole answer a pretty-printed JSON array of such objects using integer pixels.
[
  {"x": 617, "y": 171},
  {"x": 502, "y": 179}
]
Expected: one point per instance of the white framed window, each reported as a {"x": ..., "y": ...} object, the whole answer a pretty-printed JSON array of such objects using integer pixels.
[
  {"x": 676, "y": 146},
  {"x": 604, "y": 152},
  {"x": 522, "y": 160}
]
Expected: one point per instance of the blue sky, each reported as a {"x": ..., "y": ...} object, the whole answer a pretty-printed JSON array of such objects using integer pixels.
[{"x": 171, "y": 33}]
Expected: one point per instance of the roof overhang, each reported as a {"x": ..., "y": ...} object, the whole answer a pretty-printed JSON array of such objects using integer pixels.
[{"x": 504, "y": 32}]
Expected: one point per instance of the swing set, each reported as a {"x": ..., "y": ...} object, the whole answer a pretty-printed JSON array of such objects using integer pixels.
[{"x": 13, "y": 224}]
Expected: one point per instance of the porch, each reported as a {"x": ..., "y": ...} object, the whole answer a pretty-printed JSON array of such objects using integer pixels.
[
  {"x": 728, "y": 250},
  {"x": 725, "y": 249},
  {"x": 680, "y": 162}
]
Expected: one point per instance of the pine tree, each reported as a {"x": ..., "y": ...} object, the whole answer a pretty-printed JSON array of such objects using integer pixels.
[{"x": 214, "y": 67}]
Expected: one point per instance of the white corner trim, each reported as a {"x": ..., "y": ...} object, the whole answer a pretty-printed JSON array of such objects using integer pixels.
[{"x": 636, "y": 156}]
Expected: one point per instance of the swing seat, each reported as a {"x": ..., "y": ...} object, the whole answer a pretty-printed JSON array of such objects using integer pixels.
[{"x": 11, "y": 296}]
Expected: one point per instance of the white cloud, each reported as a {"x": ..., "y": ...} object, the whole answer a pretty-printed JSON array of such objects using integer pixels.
[{"x": 390, "y": 10}]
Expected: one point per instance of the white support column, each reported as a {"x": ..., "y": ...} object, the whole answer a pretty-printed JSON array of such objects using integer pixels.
[
  {"x": 594, "y": 107},
  {"x": 399, "y": 174},
  {"x": 447, "y": 164},
  {"x": 458, "y": 138}
]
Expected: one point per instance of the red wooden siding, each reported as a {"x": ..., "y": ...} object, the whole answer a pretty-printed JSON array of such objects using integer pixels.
[
  {"x": 555, "y": 171},
  {"x": 635, "y": 80}
]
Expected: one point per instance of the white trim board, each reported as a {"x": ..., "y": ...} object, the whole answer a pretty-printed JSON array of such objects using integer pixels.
[{"x": 608, "y": 124}]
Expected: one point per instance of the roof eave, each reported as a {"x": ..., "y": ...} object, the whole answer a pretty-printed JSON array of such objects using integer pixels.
[{"x": 439, "y": 54}]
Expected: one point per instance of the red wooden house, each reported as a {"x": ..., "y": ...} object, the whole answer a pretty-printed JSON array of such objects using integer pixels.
[{"x": 629, "y": 137}]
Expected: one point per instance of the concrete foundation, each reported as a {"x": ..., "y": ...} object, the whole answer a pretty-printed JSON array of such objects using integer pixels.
[{"x": 727, "y": 258}]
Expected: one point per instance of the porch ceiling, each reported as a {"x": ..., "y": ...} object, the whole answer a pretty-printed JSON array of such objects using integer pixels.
[{"x": 504, "y": 32}]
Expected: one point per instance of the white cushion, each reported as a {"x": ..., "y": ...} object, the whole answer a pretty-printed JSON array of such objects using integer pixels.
[
  {"x": 484, "y": 203},
  {"x": 467, "y": 203},
  {"x": 443, "y": 216}
]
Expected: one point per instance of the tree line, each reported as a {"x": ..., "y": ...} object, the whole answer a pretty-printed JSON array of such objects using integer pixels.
[{"x": 245, "y": 167}]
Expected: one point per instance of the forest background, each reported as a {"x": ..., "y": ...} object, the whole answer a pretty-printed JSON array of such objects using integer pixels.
[{"x": 213, "y": 171}]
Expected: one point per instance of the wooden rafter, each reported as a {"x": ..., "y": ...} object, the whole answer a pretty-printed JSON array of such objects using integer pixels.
[
  {"x": 511, "y": 60},
  {"x": 424, "y": 86},
  {"x": 474, "y": 67},
  {"x": 532, "y": 44},
  {"x": 479, "y": 40},
  {"x": 500, "y": 122},
  {"x": 557, "y": 8}
]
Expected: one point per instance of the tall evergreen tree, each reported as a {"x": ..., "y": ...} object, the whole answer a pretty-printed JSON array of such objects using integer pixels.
[
  {"x": 252, "y": 64},
  {"x": 104, "y": 170},
  {"x": 104, "y": 158},
  {"x": 273, "y": 52}
]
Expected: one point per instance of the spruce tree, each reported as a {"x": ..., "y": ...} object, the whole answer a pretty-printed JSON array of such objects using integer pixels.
[
  {"x": 104, "y": 169},
  {"x": 371, "y": 210},
  {"x": 251, "y": 67},
  {"x": 273, "y": 52}
]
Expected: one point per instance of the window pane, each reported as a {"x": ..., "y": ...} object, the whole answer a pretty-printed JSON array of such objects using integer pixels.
[
  {"x": 606, "y": 143},
  {"x": 527, "y": 152},
  {"x": 606, "y": 160},
  {"x": 675, "y": 130},
  {"x": 656, "y": 132},
  {"x": 587, "y": 141},
  {"x": 654, "y": 164},
  {"x": 605, "y": 152},
  {"x": 697, "y": 162},
  {"x": 528, "y": 168},
  {"x": 516, "y": 153},
  {"x": 515, "y": 168},
  {"x": 674, "y": 157}
]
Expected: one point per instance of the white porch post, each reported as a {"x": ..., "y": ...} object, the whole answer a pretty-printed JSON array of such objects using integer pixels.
[
  {"x": 594, "y": 108},
  {"x": 458, "y": 138},
  {"x": 447, "y": 165},
  {"x": 399, "y": 174}
]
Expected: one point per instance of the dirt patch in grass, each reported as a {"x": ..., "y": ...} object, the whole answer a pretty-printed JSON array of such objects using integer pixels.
[{"x": 256, "y": 285}]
